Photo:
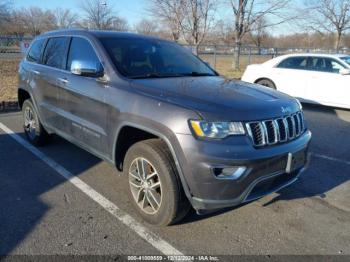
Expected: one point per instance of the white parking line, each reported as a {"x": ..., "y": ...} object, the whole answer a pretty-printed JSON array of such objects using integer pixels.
[
  {"x": 332, "y": 159},
  {"x": 157, "y": 242}
]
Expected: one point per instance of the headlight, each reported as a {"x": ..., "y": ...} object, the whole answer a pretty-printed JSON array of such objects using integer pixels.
[{"x": 216, "y": 129}]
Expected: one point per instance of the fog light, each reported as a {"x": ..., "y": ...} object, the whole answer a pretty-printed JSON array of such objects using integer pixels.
[{"x": 230, "y": 172}]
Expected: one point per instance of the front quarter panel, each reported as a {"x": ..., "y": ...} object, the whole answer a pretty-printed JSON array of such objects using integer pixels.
[{"x": 129, "y": 107}]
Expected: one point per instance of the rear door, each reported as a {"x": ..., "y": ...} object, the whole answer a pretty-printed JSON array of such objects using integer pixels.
[
  {"x": 31, "y": 74},
  {"x": 52, "y": 73},
  {"x": 290, "y": 76},
  {"x": 326, "y": 85},
  {"x": 83, "y": 101}
]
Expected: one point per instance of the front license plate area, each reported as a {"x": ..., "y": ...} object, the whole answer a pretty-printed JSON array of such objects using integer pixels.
[{"x": 295, "y": 161}]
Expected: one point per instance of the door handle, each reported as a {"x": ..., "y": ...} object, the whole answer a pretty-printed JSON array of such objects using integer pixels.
[{"x": 62, "y": 80}]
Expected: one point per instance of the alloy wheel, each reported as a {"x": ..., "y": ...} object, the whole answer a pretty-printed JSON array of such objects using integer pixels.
[
  {"x": 145, "y": 185},
  {"x": 30, "y": 123}
]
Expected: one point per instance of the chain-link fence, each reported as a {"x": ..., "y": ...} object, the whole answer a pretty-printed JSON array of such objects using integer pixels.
[{"x": 13, "y": 47}]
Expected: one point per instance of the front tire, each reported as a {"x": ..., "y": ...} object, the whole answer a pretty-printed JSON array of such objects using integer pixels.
[
  {"x": 267, "y": 83},
  {"x": 153, "y": 184},
  {"x": 33, "y": 129}
]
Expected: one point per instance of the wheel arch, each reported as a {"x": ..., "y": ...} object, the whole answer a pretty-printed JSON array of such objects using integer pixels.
[
  {"x": 150, "y": 133},
  {"x": 127, "y": 136},
  {"x": 22, "y": 95}
]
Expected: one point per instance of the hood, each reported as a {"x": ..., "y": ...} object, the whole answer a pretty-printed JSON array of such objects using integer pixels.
[{"x": 219, "y": 99}]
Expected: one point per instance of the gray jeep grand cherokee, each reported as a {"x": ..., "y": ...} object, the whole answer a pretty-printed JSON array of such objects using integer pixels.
[{"x": 182, "y": 135}]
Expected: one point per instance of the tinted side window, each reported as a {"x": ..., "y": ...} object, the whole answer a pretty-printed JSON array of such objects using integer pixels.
[
  {"x": 294, "y": 63},
  {"x": 336, "y": 66},
  {"x": 325, "y": 65},
  {"x": 56, "y": 52},
  {"x": 35, "y": 51},
  {"x": 81, "y": 50}
]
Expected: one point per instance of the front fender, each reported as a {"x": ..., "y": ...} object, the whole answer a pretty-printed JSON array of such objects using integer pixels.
[{"x": 170, "y": 139}]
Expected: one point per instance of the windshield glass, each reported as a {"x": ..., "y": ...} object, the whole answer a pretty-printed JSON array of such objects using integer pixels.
[
  {"x": 346, "y": 59},
  {"x": 149, "y": 58}
]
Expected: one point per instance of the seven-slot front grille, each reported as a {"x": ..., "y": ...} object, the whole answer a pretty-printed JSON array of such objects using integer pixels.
[{"x": 274, "y": 131}]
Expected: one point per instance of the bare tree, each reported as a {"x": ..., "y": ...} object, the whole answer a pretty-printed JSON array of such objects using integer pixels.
[
  {"x": 5, "y": 14},
  {"x": 329, "y": 16},
  {"x": 147, "y": 27},
  {"x": 120, "y": 24},
  {"x": 17, "y": 28},
  {"x": 248, "y": 12},
  {"x": 197, "y": 19},
  {"x": 258, "y": 33},
  {"x": 98, "y": 14},
  {"x": 169, "y": 13},
  {"x": 65, "y": 18},
  {"x": 32, "y": 20},
  {"x": 223, "y": 32}
]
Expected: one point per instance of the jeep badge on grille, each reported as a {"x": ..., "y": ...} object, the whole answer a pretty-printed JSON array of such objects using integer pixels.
[{"x": 286, "y": 109}]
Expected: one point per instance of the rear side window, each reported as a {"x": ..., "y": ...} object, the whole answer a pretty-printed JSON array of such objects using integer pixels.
[
  {"x": 81, "y": 50},
  {"x": 55, "y": 54},
  {"x": 294, "y": 63},
  {"x": 35, "y": 51}
]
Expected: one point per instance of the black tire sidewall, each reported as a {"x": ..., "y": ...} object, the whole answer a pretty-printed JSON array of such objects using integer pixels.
[
  {"x": 170, "y": 190},
  {"x": 267, "y": 83}
]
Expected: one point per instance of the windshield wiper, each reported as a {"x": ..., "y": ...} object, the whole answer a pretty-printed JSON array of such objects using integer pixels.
[
  {"x": 197, "y": 74},
  {"x": 155, "y": 75}
]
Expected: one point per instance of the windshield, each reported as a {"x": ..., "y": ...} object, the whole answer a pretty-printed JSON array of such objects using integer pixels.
[
  {"x": 346, "y": 59},
  {"x": 149, "y": 58}
]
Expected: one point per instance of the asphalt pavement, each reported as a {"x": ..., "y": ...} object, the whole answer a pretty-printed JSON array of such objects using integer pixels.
[{"x": 43, "y": 213}]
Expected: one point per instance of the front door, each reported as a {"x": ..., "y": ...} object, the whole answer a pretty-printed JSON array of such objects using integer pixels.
[{"x": 83, "y": 100}]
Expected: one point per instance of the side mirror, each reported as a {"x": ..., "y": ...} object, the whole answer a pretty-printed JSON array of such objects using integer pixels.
[
  {"x": 344, "y": 71},
  {"x": 84, "y": 68}
]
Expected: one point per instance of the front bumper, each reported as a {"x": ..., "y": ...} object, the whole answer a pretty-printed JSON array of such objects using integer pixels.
[
  {"x": 266, "y": 171},
  {"x": 261, "y": 187}
]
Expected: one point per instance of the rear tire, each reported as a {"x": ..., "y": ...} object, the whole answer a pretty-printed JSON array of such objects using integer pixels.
[
  {"x": 267, "y": 83},
  {"x": 153, "y": 184},
  {"x": 33, "y": 129}
]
